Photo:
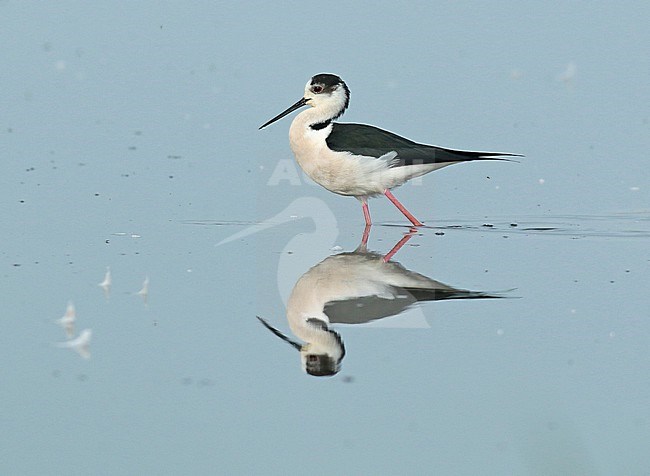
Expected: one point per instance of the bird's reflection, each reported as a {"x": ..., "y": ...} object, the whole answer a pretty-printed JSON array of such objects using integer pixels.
[{"x": 354, "y": 288}]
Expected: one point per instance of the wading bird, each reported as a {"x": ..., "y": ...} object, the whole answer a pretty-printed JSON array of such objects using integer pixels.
[{"x": 356, "y": 159}]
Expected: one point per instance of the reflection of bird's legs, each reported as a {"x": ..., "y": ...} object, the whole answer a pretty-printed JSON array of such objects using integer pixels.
[
  {"x": 366, "y": 235},
  {"x": 363, "y": 246},
  {"x": 399, "y": 245},
  {"x": 366, "y": 211},
  {"x": 402, "y": 208}
]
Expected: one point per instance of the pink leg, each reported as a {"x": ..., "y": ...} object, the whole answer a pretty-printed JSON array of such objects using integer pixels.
[
  {"x": 401, "y": 208},
  {"x": 399, "y": 245},
  {"x": 366, "y": 212}
]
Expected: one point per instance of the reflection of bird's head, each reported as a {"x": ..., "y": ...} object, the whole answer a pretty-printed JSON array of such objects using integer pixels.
[
  {"x": 321, "y": 356},
  {"x": 319, "y": 365},
  {"x": 323, "y": 353}
]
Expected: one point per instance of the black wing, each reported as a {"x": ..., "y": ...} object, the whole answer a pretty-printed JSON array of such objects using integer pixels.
[{"x": 361, "y": 139}]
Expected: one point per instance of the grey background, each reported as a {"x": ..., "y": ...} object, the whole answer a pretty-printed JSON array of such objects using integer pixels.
[{"x": 128, "y": 138}]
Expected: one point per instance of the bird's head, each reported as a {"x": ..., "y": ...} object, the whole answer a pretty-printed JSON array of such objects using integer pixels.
[{"x": 326, "y": 92}]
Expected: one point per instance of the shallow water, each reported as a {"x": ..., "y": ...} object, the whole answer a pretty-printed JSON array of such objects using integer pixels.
[{"x": 129, "y": 141}]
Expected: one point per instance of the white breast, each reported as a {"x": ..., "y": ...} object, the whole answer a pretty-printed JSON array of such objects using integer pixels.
[{"x": 343, "y": 172}]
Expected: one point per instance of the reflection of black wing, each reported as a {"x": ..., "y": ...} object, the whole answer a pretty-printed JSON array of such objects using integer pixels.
[
  {"x": 450, "y": 293},
  {"x": 361, "y": 139},
  {"x": 369, "y": 308}
]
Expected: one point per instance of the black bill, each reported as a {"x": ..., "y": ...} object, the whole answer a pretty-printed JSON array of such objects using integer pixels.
[{"x": 298, "y": 105}]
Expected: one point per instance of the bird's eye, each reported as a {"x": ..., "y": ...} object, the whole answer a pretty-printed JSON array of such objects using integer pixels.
[{"x": 317, "y": 88}]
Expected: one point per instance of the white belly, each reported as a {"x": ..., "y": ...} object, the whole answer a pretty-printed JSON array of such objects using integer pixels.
[{"x": 342, "y": 172}]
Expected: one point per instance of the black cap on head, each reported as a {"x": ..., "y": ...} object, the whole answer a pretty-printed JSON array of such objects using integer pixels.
[
  {"x": 329, "y": 83},
  {"x": 327, "y": 80}
]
